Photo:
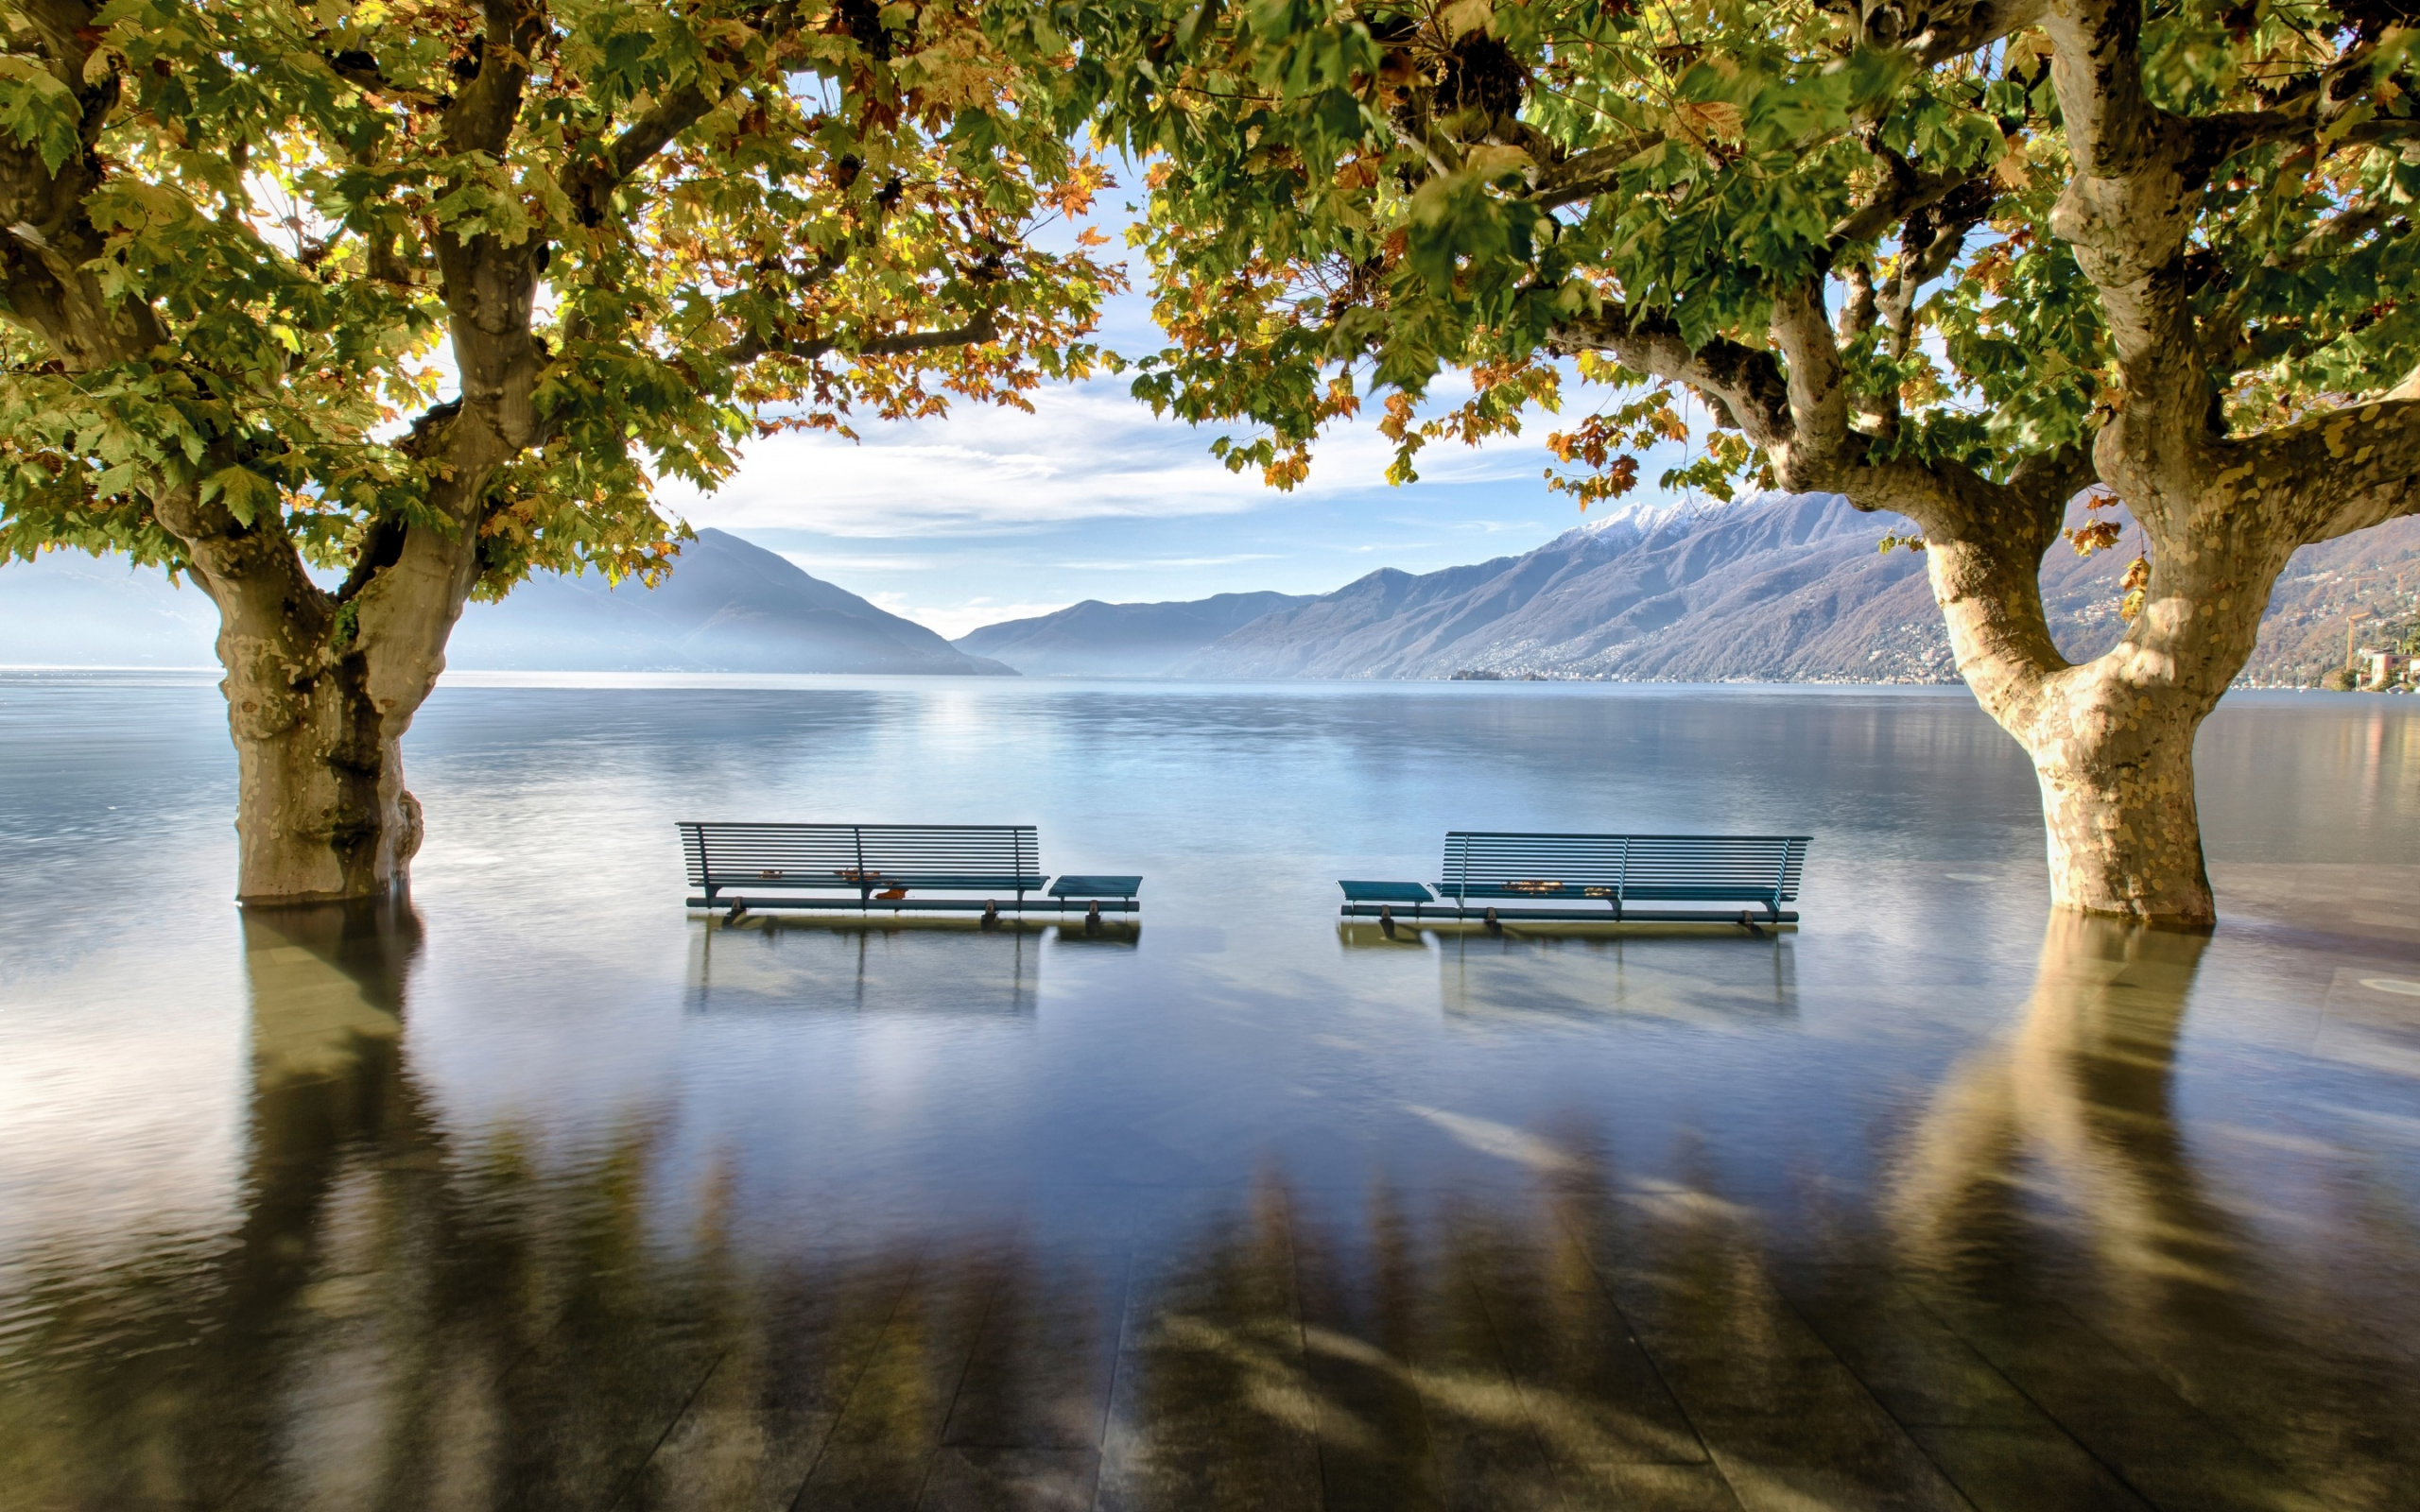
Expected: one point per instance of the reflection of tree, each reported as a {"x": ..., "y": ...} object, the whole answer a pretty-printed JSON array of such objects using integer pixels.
[
  {"x": 410, "y": 1317},
  {"x": 2049, "y": 1199},
  {"x": 403, "y": 1321},
  {"x": 2075, "y": 1107}
]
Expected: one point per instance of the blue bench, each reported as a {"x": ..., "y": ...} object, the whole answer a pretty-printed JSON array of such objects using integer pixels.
[
  {"x": 1498, "y": 875},
  {"x": 865, "y": 867}
]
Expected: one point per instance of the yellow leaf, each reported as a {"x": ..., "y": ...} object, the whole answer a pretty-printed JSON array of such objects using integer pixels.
[
  {"x": 1463, "y": 17},
  {"x": 2012, "y": 170},
  {"x": 1490, "y": 160},
  {"x": 1708, "y": 120}
]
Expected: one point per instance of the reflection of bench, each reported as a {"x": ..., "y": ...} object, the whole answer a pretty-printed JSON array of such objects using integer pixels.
[
  {"x": 1598, "y": 876},
  {"x": 862, "y": 866}
]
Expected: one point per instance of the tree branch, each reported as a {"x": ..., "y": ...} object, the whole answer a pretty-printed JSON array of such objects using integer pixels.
[
  {"x": 2334, "y": 473},
  {"x": 485, "y": 111},
  {"x": 1819, "y": 441},
  {"x": 1743, "y": 385},
  {"x": 1586, "y": 175},
  {"x": 984, "y": 327},
  {"x": 1935, "y": 33},
  {"x": 614, "y": 162}
]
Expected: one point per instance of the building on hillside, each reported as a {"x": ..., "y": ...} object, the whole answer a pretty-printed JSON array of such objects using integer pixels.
[{"x": 2380, "y": 670}]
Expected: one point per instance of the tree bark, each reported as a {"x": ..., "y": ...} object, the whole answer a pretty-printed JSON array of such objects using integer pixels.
[
  {"x": 320, "y": 688},
  {"x": 323, "y": 814},
  {"x": 2111, "y": 739},
  {"x": 2115, "y": 760}
]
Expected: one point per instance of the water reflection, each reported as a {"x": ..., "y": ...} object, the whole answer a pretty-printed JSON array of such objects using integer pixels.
[
  {"x": 2073, "y": 1114},
  {"x": 1706, "y": 978},
  {"x": 771, "y": 964},
  {"x": 2045, "y": 1307}
]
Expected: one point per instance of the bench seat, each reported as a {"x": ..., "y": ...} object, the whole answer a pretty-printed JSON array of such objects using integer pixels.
[
  {"x": 750, "y": 865},
  {"x": 878, "y": 880},
  {"x": 1113, "y": 894},
  {"x": 1546, "y": 876}
]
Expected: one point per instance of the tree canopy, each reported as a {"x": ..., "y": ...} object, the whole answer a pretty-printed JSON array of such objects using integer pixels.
[
  {"x": 1348, "y": 198},
  {"x": 247, "y": 246},
  {"x": 247, "y": 239}
]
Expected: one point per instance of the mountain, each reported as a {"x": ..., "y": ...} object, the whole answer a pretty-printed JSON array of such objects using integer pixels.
[
  {"x": 1093, "y": 639},
  {"x": 67, "y": 610},
  {"x": 728, "y": 607},
  {"x": 1780, "y": 589}
]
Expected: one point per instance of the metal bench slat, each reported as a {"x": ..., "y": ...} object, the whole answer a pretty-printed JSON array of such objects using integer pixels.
[
  {"x": 1613, "y": 870},
  {"x": 861, "y": 862}
]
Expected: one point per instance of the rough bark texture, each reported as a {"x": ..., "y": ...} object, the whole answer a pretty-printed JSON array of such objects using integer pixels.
[{"x": 320, "y": 692}]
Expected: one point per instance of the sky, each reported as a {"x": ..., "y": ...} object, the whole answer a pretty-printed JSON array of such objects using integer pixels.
[{"x": 991, "y": 514}]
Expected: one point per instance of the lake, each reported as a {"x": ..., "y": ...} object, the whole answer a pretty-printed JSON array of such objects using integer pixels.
[{"x": 540, "y": 1191}]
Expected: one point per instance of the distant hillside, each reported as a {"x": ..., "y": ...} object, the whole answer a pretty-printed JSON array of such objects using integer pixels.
[
  {"x": 1788, "y": 588},
  {"x": 1093, "y": 639},
  {"x": 728, "y": 607},
  {"x": 69, "y": 609}
]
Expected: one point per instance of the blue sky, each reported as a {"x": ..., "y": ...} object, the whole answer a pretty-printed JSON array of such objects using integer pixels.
[{"x": 991, "y": 514}]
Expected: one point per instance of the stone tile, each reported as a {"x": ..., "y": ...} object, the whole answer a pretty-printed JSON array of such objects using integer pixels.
[
  {"x": 1594, "y": 1395},
  {"x": 1213, "y": 1407},
  {"x": 902, "y": 1397},
  {"x": 865, "y": 1478},
  {"x": 1849, "y": 1461},
  {"x": 755, "y": 1427},
  {"x": 1011, "y": 1480},
  {"x": 2125, "y": 1415},
  {"x": 1915, "y": 1365},
  {"x": 2025, "y": 1469},
  {"x": 578, "y": 1420},
  {"x": 1040, "y": 1373},
  {"x": 1618, "y": 1487}
]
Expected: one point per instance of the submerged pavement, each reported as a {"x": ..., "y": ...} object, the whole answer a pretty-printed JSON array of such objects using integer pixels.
[{"x": 539, "y": 1195}]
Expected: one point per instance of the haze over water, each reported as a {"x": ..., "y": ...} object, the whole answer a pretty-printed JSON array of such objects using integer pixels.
[{"x": 540, "y": 1191}]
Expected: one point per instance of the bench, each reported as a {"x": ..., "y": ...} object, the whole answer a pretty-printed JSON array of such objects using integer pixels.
[
  {"x": 1496, "y": 875},
  {"x": 862, "y": 866}
]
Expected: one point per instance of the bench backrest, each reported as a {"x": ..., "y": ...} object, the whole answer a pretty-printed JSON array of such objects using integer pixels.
[
  {"x": 852, "y": 856},
  {"x": 1742, "y": 865}
]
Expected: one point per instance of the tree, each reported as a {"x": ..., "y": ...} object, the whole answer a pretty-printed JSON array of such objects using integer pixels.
[
  {"x": 1959, "y": 261},
  {"x": 244, "y": 237}
]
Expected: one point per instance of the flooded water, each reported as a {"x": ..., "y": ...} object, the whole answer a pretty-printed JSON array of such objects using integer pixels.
[{"x": 539, "y": 1191}]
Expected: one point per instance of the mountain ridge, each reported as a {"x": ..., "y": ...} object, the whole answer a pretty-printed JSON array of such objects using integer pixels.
[
  {"x": 1098, "y": 639},
  {"x": 729, "y": 605}
]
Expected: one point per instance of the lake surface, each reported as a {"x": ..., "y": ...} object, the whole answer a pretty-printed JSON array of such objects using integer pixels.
[{"x": 540, "y": 1191}]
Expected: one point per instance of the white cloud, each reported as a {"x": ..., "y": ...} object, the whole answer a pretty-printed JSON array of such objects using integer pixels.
[
  {"x": 1140, "y": 563},
  {"x": 950, "y": 621},
  {"x": 1088, "y": 452},
  {"x": 824, "y": 563}
]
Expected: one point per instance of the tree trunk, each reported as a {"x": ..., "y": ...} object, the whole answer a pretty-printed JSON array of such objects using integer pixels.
[
  {"x": 323, "y": 814},
  {"x": 320, "y": 688},
  {"x": 2115, "y": 764},
  {"x": 2111, "y": 739}
]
